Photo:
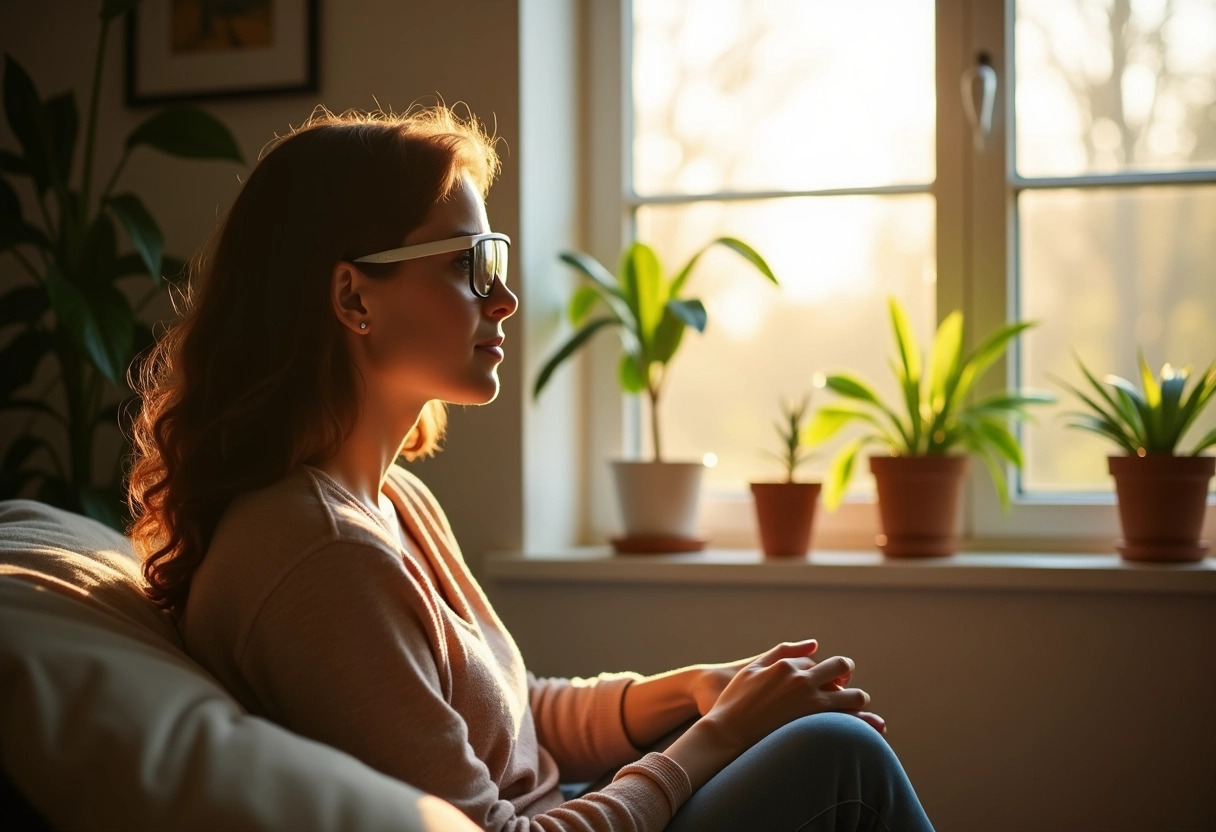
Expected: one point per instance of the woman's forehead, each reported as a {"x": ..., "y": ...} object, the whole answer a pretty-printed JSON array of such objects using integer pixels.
[{"x": 461, "y": 212}]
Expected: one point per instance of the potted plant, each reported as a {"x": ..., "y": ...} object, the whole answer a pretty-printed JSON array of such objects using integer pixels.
[
  {"x": 1161, "y": 494},
  {"x": 785, "y": 511},
  {"x": 919, "y": 483},
  {"x": 73, "y": 304},
  {"x": 658, "y": 498}
]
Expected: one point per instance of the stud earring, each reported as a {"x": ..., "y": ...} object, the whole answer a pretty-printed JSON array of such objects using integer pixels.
[{"x": 362, "y": 324}]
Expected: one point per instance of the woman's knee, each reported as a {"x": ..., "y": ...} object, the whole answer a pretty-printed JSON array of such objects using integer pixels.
[{"x": 840, "y": 737}]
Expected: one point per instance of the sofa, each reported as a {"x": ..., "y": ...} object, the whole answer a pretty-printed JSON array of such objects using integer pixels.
[{"x": 106, "y": 723}]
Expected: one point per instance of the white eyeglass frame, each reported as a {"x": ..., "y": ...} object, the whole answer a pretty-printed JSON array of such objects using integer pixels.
[{"x": 396, "y": 255}]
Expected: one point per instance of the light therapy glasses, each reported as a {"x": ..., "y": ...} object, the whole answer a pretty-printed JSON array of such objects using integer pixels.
[{"x": 488, "y": 252}]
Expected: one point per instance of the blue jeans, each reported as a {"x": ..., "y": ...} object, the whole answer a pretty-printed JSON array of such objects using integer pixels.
[{"x": 822, "y": 772}]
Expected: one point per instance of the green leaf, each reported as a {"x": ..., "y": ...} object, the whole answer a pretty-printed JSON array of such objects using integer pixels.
[
  {"x": 736, "y": 245},
  {"x": 100, "y": 322},
  {"x": 852, "y": 387},
  {"x": 997, "y": 472},
  {"x": 840, "y": 473},
  {"x": 98, "y": 256},
  {"x": 581, "y": 303},
  {"x": 22, "y": 233},
  {"x": 1103, "y": 427},
  {"x": 26, "y": 118},
  {"x": 1172, "y": 385},
  {"x": 141, "y": 228},
  {"x": 104, "y": 504},
  {"x": 1120, "y": 414},
  {"x": 910, "y": 374},
  {"x": 668, "y": 336},
  {"x": 113, "y": 9},
  {"x": 10, "y": 205},
  {"x": 1208, "y": 440},
  {"x": 691, "y": 312},
  {"x": 1198, "y": 399},
  {"x": 1013, "y": 403},
  {"x": 62, "y": 124},
  {"x": 946, "y": 355},
  {"x": 20, "y": 358},
  {"x": 829, "y": 420},
  {"x": 568, "y": 349},
  {"x": 631, "y": 374},
  {"x": 643, "y": 289},
  {"x": 187, "y": 132},
  {"x": 1134, "y": 410},
  {"x": 985, "y": 355},
  {"x": 23, "y": 305},
  {"x": 999, "y": 438},
  {"x": 592, "y": 270},
  {"x": 12, "y": 163}
]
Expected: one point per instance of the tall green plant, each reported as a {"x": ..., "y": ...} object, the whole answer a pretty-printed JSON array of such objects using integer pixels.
[
  {"x": 937, "y": 416},
  {"x": 73, "y": 307},
  {"x": 647, "y": 310},
  {"x": 1150, "y": 419},
  {"x": 789, "y": 428}
]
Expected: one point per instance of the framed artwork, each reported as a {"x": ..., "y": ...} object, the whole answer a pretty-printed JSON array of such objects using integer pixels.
[{"x": 183, "y": 49}]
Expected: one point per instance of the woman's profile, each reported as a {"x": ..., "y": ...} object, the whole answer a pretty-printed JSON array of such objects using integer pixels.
[{"x": 355, "y": 286}]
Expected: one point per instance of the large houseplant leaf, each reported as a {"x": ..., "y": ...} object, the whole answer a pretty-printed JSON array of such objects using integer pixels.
[
  {"x": 188, "y": 132},
  {"x": 23, "y": 109},
  {"x": 141, "y": 228},
  {"x": 568, "y": 349},
  {"x": 99, "y": 321}
]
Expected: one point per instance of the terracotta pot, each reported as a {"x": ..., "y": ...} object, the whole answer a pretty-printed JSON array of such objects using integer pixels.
[
  {"x": 1161, "y": 505},
  {"x": 785, "y": 514},
  {"x": 659, "y": 500},
  {"x": 918, "y": 499}
]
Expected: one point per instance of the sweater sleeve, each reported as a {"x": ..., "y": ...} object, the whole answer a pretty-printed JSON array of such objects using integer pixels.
[
  {"x": 580, "y": 723},
  {"x": 346, "y": 650}
]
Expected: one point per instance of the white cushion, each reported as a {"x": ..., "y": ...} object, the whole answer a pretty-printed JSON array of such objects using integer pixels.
[{"x": 106, "y": 724}]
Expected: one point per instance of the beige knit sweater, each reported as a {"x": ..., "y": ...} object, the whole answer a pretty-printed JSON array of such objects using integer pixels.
[{"x": 309, "y": 612}]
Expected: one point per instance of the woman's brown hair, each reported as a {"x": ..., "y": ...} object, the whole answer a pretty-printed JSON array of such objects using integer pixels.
[{"x": 254, "y": 378}]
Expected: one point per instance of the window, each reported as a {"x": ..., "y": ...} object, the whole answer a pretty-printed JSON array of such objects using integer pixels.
[{"x": 833, "y": 137}]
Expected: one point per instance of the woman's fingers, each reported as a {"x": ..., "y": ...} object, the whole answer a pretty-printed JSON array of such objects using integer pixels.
[
  {"x": 787, "y": 650},
  {"x": 873, "y": 720}
]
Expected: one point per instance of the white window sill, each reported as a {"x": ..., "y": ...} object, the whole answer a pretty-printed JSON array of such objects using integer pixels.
[{"x": 866, "y": 569}]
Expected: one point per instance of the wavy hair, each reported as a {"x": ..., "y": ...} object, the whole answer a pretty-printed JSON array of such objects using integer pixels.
[{"x": 254, "y": 378}]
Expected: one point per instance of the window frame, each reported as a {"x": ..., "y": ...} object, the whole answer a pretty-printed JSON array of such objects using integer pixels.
[{"x": 976, "y": 235}]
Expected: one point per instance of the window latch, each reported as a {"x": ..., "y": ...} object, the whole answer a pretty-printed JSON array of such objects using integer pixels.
[{"x": 979, "y": 95}]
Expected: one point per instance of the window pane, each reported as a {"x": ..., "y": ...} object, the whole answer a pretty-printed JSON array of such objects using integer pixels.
[
  {"x": 838, "y": 259},
  {"x": 1115, "y": 85},
  {"x": 1105, "y": 271},
  {"x": 735, "y": 95}
]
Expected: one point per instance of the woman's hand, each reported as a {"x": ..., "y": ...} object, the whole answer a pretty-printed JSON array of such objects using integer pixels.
[
  {"x": 784, "y": 684},
  {"x": 764, "y": 694},
  {"x": 710, "y": 680}
]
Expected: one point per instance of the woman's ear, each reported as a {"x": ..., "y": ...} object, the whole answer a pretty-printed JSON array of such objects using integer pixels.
[{"x": 345, "y": 295}]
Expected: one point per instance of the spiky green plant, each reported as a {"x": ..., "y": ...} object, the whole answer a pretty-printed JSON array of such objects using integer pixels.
[
  {"x": 937, "y": 417},
  {"x": 646, "y": 308},
  {"x": 789, "y": 428},
  {"x": 1150, "y": 419}
]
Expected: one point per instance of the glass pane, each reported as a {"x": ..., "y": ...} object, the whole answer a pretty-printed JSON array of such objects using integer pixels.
[
  {"x": 838, "y": 259},
  {"x": 736, "y": 95},
  {"x": 1115, "y": 85},
  {"x": 1104, "y": 272}
]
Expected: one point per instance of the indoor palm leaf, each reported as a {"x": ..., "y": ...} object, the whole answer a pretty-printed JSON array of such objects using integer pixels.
[
  {"x": 936, "y": 413},
  {"x": 647, "y": 310}
]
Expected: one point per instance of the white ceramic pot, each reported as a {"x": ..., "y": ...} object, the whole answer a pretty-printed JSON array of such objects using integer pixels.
[{"x": 658, "y": 499}]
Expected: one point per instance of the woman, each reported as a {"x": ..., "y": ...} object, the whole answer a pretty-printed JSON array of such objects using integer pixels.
[{"x": 353, "y": 287}]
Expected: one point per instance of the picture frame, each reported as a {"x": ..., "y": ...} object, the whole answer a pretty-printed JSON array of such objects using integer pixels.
[{"x": 212, "y": 49}]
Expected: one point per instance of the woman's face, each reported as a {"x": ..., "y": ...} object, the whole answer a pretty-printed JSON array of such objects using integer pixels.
[{"x": 429, "y": 336}]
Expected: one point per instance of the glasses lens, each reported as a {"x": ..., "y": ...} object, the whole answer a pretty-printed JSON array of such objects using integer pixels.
[{"x": 489, "y": 264}]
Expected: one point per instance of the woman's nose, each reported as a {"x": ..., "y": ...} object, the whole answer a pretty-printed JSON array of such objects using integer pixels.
[{"x": 503, "y": 302}]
